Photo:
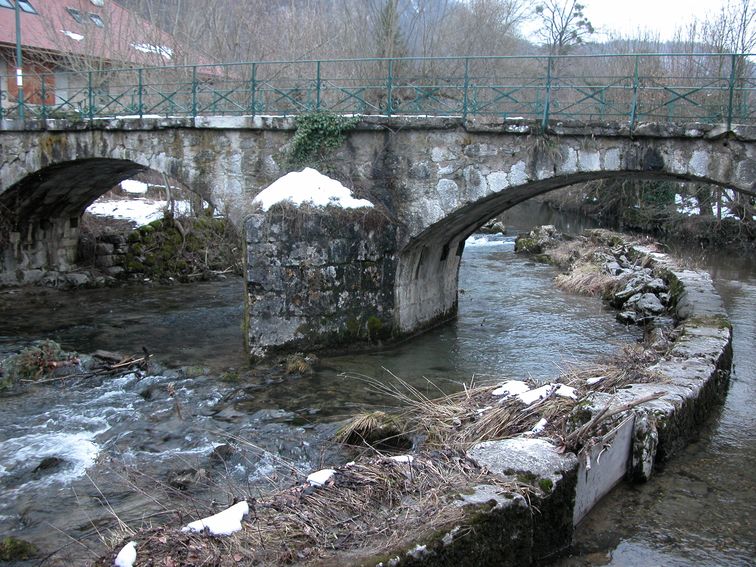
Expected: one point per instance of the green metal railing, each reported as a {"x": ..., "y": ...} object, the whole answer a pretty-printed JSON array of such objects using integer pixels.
[{"x": 683, "y": 88}]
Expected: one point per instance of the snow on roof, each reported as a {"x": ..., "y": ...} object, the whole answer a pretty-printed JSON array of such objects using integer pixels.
[
  {"x": 312, "y": 187},
  {"x": 73, "y": 35}
]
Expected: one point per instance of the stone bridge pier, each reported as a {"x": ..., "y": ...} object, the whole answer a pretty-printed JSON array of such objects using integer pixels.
[{"x": 330, "y": 279}]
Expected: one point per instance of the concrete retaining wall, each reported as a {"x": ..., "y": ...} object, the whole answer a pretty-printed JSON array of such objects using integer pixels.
[{"x": 692, "y": 378}]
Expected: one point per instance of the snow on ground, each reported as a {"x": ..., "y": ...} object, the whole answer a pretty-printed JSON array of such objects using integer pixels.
[
  {"x": 511, "y": 388},
  {"x": 127, "y": 556},
  {"x": 403, "y": 459},
  {"x": 539, "y": 427},
  {"x": 222, "y": 523},
  {"x": 528, "y": 396},
  {"x": 686, "y": 205},
  {"x": 139, "y": 210},
  {"x": 309, "y": 186},
  {"x": 689, "y": 206},
  {"x": 319, "y": 478},
  {"x": 134, "y": 186},
  {"x": 475, "y": 240}
]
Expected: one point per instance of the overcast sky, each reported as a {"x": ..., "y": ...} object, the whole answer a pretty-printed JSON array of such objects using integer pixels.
[{"x": 626, "y": 17}]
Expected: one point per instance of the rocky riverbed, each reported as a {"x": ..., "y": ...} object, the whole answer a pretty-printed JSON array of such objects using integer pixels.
[{"x": 462, "y": 470}]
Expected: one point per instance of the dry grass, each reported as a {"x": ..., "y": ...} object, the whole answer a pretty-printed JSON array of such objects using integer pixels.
[
  {"x": 588, "y": 280},
  {"x": 377, "y": 430},
  {"x": 473, "y": 415},
  {"x": 366, "y": 509},
  {"x": 375, "y": 505}
]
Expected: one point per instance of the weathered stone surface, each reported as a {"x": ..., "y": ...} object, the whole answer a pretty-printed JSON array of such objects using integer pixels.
[
  {"x": 318, "y": 279},
  {"x": 495, "y": 529},
  {"x": 648, "y": 303},
  {"x": 439, "y": 178},
  {"x": 537, "y": 462}
]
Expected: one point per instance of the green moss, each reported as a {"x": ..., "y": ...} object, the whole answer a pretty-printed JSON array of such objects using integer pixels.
[
  {"x": 546, "y": 484},
  {"x": 14, "y": 549},
  {"x": 166, "y": 250},
  {"x": 524, "y": 477},
  {"x": 374, "y": 327},
  {"x": 527, "y": 245},
  {"x": 229, "y": 376},
  {"x": 353, "y": 327},
  {"x": 716, "y": 321}
]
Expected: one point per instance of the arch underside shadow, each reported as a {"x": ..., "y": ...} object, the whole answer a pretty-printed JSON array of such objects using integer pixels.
[
  {"x": 428, "y": 267},
  {"x": 65, "y": 189},
  {"x": 41, "y": 212}
]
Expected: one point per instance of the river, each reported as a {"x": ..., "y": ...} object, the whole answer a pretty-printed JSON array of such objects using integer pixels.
[{"x": 208, "y": 427}]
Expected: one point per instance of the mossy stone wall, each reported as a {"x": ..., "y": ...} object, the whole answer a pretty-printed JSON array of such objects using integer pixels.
[{"x": 318, "y": 279}]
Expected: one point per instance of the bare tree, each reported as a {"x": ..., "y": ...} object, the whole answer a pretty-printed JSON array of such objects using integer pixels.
[{"x": 563, "y": 25}]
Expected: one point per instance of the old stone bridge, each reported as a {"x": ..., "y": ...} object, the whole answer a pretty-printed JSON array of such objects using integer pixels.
[{"x": 320, "y": 278}]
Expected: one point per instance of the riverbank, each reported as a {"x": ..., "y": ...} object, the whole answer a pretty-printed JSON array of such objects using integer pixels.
[
  {"x": 674, "y": 221},
  {"x": 656, "y": 417}
]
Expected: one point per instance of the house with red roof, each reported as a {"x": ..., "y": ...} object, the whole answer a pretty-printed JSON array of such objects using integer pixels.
[{"x": 61, "y": 36}]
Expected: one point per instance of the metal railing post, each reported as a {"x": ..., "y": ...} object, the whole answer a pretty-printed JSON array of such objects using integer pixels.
[
  {"x": 634, "y": 107},
  {"x": 253, "y": 88},
  {"x": 731, "y": 94},
  {"x": 19, "y": 66},
  {"x": 90, "y": 95},
  {"x": 194, "y": 91},
  {"x": 140, "y": 104},
  {"x": 464, "y": 92},
  {"x": 389, "y": 88},
  {"x": 547, "y": 97},
  {"x": 43, "y": 88},
  {"x": 317, "y": 86}
]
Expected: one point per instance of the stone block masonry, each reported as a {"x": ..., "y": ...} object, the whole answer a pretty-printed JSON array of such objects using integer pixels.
[{"x": 318, "y": 279}]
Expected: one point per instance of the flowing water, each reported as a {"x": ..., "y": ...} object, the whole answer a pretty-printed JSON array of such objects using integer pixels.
[
  {"x": 701, "y": 509},
  {"x": 75, "y": 457}
]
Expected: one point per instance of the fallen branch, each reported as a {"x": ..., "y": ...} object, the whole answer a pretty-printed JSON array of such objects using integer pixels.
[{"x": 605, "y": 414}]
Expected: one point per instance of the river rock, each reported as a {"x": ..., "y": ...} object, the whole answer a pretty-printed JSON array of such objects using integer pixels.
[
  {"x": 628, "y": 317},
  {"x": 655, "y": 285},
  {"x": 49, "y": 465},
  {"x": 537, "y": 240},
  {"x": 497, "y": 227},
  {"x": 649, "y": 304},
  {"x": 185, "y": 478},
  {"x": 77, "y": 279},
  {"x": 222, "y": 453}
]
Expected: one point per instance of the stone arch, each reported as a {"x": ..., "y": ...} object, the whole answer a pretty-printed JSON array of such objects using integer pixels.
[
  {"x": 41, "y": 212},
  {"x": 428, "y": 264}
]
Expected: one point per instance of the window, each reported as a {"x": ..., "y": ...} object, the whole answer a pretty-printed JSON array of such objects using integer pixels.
[
  {"x": 75, "y": 14},
  {"x": 26, "y": 6},
  {"x": 6, "y": 4},
  {"x": 96, "y": 20}
]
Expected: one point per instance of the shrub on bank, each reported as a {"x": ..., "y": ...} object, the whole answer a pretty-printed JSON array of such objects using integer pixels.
[
  {"x": 34, "y": 363},
  {"x": 185, "y": 250}
]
